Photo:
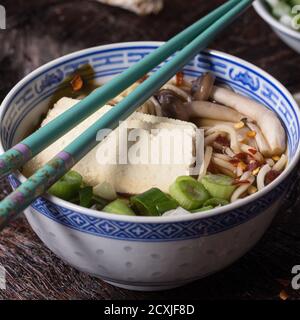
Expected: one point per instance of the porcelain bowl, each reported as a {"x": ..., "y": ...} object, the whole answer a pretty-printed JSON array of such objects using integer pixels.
[
  {"x": 288, "y": 35},
  {"x": 149, "y": 253}
]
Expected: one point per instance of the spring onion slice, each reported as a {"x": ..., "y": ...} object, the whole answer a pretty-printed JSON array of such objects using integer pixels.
[
  {"x": 188, "y": 192},
  {"x": 219, "y": 185},
  {"x": 105, "y": 190},
  {"x": 205, "y": 208},
  {"x": 99, "y": 202},
  {"x": 86, "y": 197},
  {"x": 215, "y": 202},
  {"x": 118, "y": 206},
  {"x": 68, "y": 186},
  {"x": 153, "y": 202}
]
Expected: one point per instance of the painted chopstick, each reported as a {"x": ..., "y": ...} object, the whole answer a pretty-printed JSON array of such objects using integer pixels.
[
  {"x": 40, "y": 181},
  {"x": 40, "y": 139}
]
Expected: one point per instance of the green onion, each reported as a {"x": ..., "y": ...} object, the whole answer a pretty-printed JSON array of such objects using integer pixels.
[
  {"x": 105, "y": 190},
  {"x": 99, "y": 202},
  {"x": 118, "y": 206},
  {"x": 215, "y": 202},
  {"x": 86, "y": 197},
  {"x": 205, "y": 208},
  {"x": 153, "y": 202},
  {"x": 67, "y": 187},
  {"x": 188, "y": 192},
  {"x": 219, "y": 185}
]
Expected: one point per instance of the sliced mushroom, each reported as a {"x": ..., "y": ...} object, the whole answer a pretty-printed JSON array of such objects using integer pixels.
[
  {"x": 268, "y": 122},
  {"x": 200, "y": 123},
  {"x": 209, "y": 110},
  {"x": 202, "y": 87}
]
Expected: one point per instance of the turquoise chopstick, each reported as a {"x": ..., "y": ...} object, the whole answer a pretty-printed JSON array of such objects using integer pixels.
[
  {"x": 39, "y": 182},
  {"x": 39, "y": 140}
]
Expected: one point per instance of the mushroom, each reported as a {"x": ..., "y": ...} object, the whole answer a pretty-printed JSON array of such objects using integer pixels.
[
  {"x": 202, "y": 87},
  {"x": 268, "y": 122},
  {"x": 209, "y": 110},
  {"x": 200, "y": 123},
  {"x": 174, "y": 106}
]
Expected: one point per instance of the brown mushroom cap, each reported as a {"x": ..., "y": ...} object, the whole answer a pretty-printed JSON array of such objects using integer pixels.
[
  {"x": 172, "y": 105},
  {"x": 203, "y": 86}
]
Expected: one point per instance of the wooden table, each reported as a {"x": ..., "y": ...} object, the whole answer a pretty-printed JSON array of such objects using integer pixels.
[{"x": 40, "y": 30}]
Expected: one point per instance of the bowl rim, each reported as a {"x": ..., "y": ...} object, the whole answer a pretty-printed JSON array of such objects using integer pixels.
[
  {"x": 261, "y": 9},
  {"x": 160, "y": 219}
]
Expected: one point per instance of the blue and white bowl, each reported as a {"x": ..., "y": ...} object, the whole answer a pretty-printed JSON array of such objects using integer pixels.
[
  {"x": 288, "y": 35},
  {"x": 149, "y": 253}
]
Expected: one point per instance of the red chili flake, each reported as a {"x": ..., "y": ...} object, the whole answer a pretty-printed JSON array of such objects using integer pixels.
[
  {"x": 212, "y": 168},
  {"x": 242, "y": 156},
  {"x": 234, "y": 162},
  {"x": 252, "y": 165},
  {"x": 271, "y": 176},
  {"x": 236, "y": 181},
  {"x": 253, "y": 151},
  {"x": 143, "y": 78},
  {"x": 77, "y": 83},
  {"x": 222, "y": 141},
  {"x": 179, "y": 78}
]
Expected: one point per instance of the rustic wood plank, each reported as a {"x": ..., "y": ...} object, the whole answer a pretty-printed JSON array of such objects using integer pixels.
[{"x": 40, "y": 30}]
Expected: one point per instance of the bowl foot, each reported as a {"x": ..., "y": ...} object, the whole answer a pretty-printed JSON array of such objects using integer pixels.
[{"x": 144, "y": 288}]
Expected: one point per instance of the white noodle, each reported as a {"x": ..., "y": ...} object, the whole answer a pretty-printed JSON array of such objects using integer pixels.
[
  {"x": 227, "y": 172},
  {"x": 262, "y": 143},
  {"x": 224, "y": 164},
  {"x": 229, "y": 152},
  {"x": 210, "y": 138},
  {"x": 280, "y": 164},
  {"x": 239, "y": 171},
  {"x": 206, "y": 161},
  {"x": 242, "y": 188},
  {"x": 270, "y": 162},
  {"x": 234, "y": 144},
  {"x": 260, "y": 180},
  {"x": 257, "y": 156},
  {"x": 246, "y": 175},
  {"x": 222, "y": 156}
]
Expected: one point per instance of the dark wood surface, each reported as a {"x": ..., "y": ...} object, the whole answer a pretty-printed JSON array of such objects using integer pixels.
[{"x": 40, "y": 30}]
